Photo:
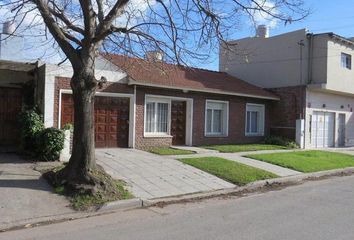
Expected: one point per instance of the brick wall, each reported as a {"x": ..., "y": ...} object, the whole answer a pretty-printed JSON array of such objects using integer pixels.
[
  {"x": 237, "y": 111},
  {"x": 64, "y": 83},
  {"x": 285, "y": 112}
]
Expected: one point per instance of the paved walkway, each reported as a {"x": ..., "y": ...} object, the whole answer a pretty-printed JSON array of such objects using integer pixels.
[
  {"x": 238, "y": 157},
  {"x": 151, "y": 176},
  {"x": 24, "y": 195},
  {"x": 195, "y": 149}
]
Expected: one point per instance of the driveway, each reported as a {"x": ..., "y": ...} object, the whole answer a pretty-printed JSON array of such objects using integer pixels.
[
  {"x": 151, "y": 176},
  {"x": 24, "y": 195}
]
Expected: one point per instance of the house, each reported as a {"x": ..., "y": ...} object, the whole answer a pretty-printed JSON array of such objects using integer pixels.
[
  {"x": 148, "y": 104},
  {"x": 16, "y": 81},
  {"x": 312, "y": 74}
]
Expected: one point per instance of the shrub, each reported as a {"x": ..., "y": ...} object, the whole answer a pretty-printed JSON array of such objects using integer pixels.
[
  {"x": 68, "y": 126},
  {"x": 276, "y": 140},
  {"x": 50, "y": 142},
  {"x": 31, "y": 124}
]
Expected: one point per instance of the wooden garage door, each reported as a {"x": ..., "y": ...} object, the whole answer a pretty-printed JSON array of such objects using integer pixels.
[
  {"x": 10, "y": 107},
  {"x": 111, "y": 120}
]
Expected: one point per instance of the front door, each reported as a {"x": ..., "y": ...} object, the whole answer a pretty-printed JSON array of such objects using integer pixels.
[
  {"x": 341, "y": 130},
  {"x": 10, "y": 108},
  {"x": 178, "y": 122}
]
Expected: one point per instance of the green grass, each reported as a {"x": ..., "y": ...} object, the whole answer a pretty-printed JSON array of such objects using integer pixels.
[
  {"x": 307, "y": 161},
  {"x": 170, "y": 151},
  {"x": 230, "y": 171},
  {"x": 244, "y": 147}
]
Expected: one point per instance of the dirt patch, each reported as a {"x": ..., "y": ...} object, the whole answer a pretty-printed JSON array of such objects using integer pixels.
[{"x": 104, "y": 189}]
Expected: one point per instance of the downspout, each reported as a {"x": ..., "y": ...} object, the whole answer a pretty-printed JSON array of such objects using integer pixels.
[
  {"x": 134, "y": 117},
  {"x": 310, "y": 37},
  {"x": 310, "y": 57}
]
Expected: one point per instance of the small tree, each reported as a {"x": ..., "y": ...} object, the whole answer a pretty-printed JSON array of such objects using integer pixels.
[{"x": 181, "y": 29}]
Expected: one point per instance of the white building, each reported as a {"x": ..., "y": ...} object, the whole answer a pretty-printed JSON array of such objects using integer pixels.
[{"x": 313, "y": 75}]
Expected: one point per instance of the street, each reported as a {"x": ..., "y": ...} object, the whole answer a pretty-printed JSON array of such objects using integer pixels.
[{"x": 314, "y": 210}]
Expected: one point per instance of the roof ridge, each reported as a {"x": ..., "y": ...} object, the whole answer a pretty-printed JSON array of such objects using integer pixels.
[{"x": 171, "y": 64}]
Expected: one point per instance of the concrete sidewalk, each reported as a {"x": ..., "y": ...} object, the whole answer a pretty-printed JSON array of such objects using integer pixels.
[
  {"x": 239, "y": 157},
  {"x": 24, "y": 195},
  {"x": 152, "y": 176}
]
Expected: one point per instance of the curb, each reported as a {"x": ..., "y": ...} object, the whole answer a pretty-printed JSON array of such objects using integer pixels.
[
  {"x": 106, "y": 208},
  {"x": 263, "y": 185},
  {"x": 121, "y": 204}
]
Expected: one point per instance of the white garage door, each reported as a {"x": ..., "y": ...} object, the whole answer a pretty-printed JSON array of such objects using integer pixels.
[{"x": 322, "y": 129}]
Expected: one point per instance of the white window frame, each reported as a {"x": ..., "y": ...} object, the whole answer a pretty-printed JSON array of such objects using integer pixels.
[
  {"x": 225, "y": 119},
  {"x": 261, "y": 120},
  {"x": 344, "y": 64},
  {"x": 156, "y": 101}
]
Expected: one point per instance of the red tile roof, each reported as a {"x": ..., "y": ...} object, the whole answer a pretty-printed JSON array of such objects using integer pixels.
[{"x": 166, "y": 75}]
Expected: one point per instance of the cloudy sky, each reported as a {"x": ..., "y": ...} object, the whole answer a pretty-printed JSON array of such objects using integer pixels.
[{"x": 326, "y": 16}]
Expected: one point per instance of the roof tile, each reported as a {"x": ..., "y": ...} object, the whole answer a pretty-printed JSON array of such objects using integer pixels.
[{"x": 175, "y": 76}]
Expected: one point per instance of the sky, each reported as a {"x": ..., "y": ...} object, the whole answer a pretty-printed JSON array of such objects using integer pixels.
[{"x": 326, "y": 16}]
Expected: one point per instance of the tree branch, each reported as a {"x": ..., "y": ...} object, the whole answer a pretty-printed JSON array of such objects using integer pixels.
[{"x": 55, "y": 30}]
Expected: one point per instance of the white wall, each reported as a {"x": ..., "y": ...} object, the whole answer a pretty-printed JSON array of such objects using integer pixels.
[
  {"x": 339, "y": 78},
  {"x": 333, "y": 103},
  {"x": 319, "y": 59},
  {"x": 268, "y": 62}
]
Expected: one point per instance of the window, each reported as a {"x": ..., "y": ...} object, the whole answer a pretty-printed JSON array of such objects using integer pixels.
[
  {"x": 216, "y": 118},
  {"x": 346, "y": 61},
  {"x": 254, "y": 120},
  {"x": 156, "y": 117}
]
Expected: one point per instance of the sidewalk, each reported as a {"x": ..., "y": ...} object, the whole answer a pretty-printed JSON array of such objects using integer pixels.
[{"x": 24, "y": 195}]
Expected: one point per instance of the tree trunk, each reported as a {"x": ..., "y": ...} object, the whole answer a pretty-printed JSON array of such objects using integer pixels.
[{"x": 82, "y": 160}]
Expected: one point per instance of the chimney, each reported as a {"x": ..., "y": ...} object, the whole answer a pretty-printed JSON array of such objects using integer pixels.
[
  {"x": 262, "y": 31},
  {"x": 154, "y": 56},
  {"x": 8, "y": 28}
]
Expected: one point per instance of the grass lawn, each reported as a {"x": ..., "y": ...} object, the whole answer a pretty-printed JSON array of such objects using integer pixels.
[
  {"x": 307, "y": 161},
  {"x": 230, "y": 171},
  {"x": 244, "y": 147},
  {"x": 170, "y": 151}
]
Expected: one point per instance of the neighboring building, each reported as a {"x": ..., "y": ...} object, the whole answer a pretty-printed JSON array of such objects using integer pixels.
[
  {"x": 312, "y": 74},
  {"x": 150, "y": 104},
  {"x": 14, "y": 91}
]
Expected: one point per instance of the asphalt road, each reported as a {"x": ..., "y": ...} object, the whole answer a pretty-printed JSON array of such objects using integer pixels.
[{"x": 314, "y": 210}]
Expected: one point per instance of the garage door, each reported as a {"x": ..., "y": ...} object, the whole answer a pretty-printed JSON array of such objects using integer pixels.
[
  {"x": 111, "y": 119},
  {"x": 322, "y": 129},
  {"x": 10, "y": 107}
]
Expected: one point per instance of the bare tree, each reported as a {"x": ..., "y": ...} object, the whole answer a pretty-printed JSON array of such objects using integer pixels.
[{"x": 182, "y": 29}]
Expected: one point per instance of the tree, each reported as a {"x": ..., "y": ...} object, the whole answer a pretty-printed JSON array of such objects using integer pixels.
[{"x": 182, "y": 29}]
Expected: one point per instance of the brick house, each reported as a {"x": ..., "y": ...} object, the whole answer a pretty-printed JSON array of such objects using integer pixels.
[{"x": 147, "y": 104}]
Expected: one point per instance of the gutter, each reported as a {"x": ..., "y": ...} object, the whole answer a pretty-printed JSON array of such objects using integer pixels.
[{"x": 214, "y": 91}]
